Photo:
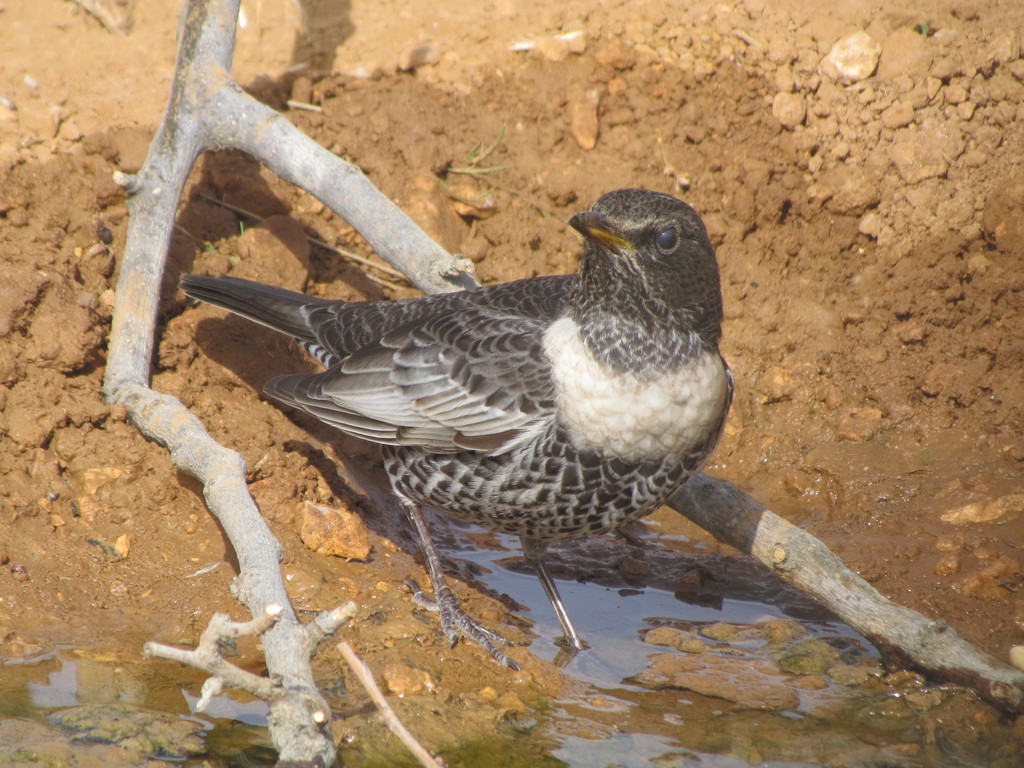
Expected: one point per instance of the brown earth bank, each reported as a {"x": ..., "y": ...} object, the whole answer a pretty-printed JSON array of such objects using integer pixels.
[{"x": 870, "y": 230}]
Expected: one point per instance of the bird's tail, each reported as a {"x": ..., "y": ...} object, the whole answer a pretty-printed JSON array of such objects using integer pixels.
[{"x": 283, "y": 311}]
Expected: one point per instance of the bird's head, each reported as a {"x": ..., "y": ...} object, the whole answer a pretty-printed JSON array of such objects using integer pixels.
[{"x": 648, "y": 253}]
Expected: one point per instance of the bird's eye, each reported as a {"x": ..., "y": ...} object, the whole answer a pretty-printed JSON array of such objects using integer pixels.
[{"x": 667, "y": 239}]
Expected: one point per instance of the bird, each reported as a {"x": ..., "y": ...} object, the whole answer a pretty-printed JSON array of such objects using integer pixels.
[{"x": 551, "y": 407}]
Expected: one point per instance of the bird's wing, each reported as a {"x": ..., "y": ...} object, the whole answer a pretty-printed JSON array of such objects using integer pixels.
[{"x": 472, "y": 379}]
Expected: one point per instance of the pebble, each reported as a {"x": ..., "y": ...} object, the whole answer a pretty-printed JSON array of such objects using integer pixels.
[
  {"x": 965, "y": 111},
  {"x": 419, "y": 55},
  {"x": 813, "y": 656},
  {"x": 854, "y": 189},
  {"x": 916, "y": 157},
  {"x": 95, "y": 478},
  {"x": 1003, "y": 217},
  {"x": 583, "y": 108},
  {"x": 956, "y": 93},
  {"x": 1017, "y": 656},
  {"x": 403, "y": 680},
  {"x": 905, "y": 52},
  {"x": 898, "y": 115},
  {"x": 778, "y": 384},
  {"x": 749, "y": 683},
  {"x": 784, "y": 82},
  {"x": 870, "y": 225},
  {"x": 1003, "y": 508},
  {"x": 789, "y": 109},
  {"x": 334, "y": 531},
  {"x": 552, "y": 48},
  {"x": 910, "y": 332},
  {"x": 852, "y": 59},
  {"x": 860, "y": 424},
  {"x": 1006, "y": 47}
]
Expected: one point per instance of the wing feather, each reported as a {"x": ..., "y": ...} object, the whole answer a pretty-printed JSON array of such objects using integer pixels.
[{"x": 473, "y": 379}]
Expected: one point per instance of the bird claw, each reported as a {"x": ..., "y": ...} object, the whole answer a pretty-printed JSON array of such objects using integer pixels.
[{"x": 456, "y": 623}]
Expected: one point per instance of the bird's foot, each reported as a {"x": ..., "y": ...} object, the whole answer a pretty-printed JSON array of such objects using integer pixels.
[{"x": 455, "y": 622}]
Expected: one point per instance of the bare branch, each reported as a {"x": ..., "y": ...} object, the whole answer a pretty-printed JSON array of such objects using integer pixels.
[{"x": 390, "y": 719}]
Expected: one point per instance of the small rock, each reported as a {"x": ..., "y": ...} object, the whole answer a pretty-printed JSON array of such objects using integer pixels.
[
  {"x": 69, "y": 130},
  {"x": 123, "y": 545},
  {"x": 965, "y": 111},
  {"x": 552, "y": 48},
  {"x": 275, "y": 496},
  {"x": 948, "y": 564},
  {"x": 956, "y": 93},
  {"x": 97, "y": 477},
  {"x": 784, "y": 82},
  {"x": 334, "y": 531},
  {"x": 577, "y": 41},
  {"x": 990, "y": 582},
  {"x": 403, "y": 680},
  {"x": 852, "y": 674},
  {"x": 854, "y": 189},
  {"x": 1003, "y": 216},
  {"x": 721, "y": 630},
  {"x": 781, "y": 49},
  {"x": 302, "y": 90},
  {"x": 1005, "y": 48},
  {"x": 813, "y": 656},
  {"x": 420, "y": 55},
  {"x": 852, "y": 59},
  {"x": 898, "y": 115},
  {"x": 746, "y": 682},
  {"x": 1017, "y": 656},
  {"x": 778, "y": 384},
  {"x": 910, "y": 332},
  {"x": 905, "y": 52},
  {"x": 916, "y": 157},
  {"x": 487, "y": 694},
  {"x": 790, "y": 109},
  {"x": 430, "y": 207},
  {"x": 1004, "y": 508},
  {"x": 133, "y": 728},
  {"x": 583, "y": 108},
  {"x": 131, "y": 145},
  {"x": 471, "y": 203},
  {"x": 870, "y": 225},
  {"x": 617, "y": 56},
  {"x": 860, "y": 424}
]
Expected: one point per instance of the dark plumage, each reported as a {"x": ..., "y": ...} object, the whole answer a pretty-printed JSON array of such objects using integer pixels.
[{"x": 551, "y": 407}]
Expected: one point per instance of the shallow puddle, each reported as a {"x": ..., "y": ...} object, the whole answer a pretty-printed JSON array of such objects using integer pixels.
[{"x": 783, "y": 683}]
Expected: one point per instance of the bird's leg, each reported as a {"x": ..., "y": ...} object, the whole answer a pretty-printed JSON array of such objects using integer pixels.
[
  {"x": 454, "y": 620},
  {"x": 534, "y": 553}
]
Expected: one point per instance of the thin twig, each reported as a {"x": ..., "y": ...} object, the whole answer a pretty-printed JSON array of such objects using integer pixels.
[
  {"x": 293, "y": 104},
  {"x": 362, "y": 672},
  {"x": 208, "y": 657}
]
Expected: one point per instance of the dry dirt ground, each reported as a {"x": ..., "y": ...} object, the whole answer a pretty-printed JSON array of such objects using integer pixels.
[{"x": 871, "y": 240}]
